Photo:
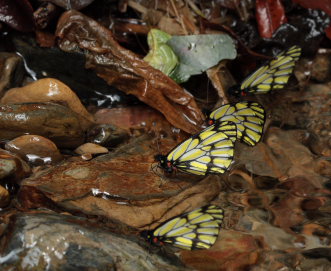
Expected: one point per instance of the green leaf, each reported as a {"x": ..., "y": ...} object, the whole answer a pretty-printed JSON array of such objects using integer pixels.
[
  {"x": 197, "y": 53},
  {"x": 160, "y": 55}
]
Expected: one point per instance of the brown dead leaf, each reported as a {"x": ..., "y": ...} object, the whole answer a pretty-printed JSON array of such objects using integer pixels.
[{"x": 126, "y": 71}]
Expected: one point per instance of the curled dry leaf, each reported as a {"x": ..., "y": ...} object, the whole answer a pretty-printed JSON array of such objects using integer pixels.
[{"x": 126, "y": 71}]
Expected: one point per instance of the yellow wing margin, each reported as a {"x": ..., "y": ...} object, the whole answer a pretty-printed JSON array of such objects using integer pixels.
[
  {"x": 249, "y": 118},
  {"x": 274, "y": 75},
  {"x": 197, "y": 229}
]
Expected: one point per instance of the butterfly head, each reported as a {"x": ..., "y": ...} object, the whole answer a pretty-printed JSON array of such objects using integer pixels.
[
  {"x": 210, "y": 121},
  {"x": 235, "y": 91},
  {"x": 148, "y": 235},
  {"x": 164, "y": 163}
]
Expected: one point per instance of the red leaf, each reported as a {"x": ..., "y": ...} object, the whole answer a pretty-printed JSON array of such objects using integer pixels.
[
  {"x": 18, "y": 14},
  {"x": 324, "y": 5},
  {"x": 270, "y": 15},
  {"x": 328, "y": 31}
]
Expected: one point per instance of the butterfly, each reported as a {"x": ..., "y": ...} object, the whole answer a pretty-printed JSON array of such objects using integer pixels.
[
  {"x": 249, "y": 118},
  {"x": 273, "y": 75},
  {"x": 210, "y": 151},
  {"x": 197, "y": 229}
]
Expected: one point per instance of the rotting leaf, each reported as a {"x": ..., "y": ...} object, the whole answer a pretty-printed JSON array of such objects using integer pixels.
[
  {"x": 17, "y": 14},
  {"x": 126, "y": 71},
  {"x": 160, "y": 56},
  {"x": 197, "y": 53},
  {"x": 270, "y": 14}
]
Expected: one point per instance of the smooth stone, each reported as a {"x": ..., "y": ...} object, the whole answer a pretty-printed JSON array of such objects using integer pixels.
[
  {"x": 4, "y": 197},
  {"x": 90, "y": 148},
  {"x": 70, "y": 69},
  {"x": 11, "y": 70},
  {"x": 123, "y": 185},
  {"x": 107, "y": 135},
  {"x": 49, "y": 241},
  {"x": 35, "y": 149},
  {"x": 7, "y": 167},
  {"x": 54, "y": 121},
  {"x": 46, "y": 90},
  {"x": 12, "y": 166}
]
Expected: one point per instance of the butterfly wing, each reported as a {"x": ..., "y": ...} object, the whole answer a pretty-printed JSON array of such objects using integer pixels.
[
  {"x": 197, "y": 229},
  {"x": 249, "y": 118},
  {"x": 210, "y": 151},
  {"x": 274, "y": 75}
]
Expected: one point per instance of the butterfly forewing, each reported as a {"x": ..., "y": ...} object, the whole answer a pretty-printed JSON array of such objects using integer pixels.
[
  {"x": 197, "y": 229},
  {"x": 274, "y": 75},
  {"x": 249, "y": 118},
  {"x": 210, "y": 151}
]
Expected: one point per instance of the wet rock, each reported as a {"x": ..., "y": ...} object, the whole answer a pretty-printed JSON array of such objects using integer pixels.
[
  {"x": 7, "y": 167},
  {"x": 107, "y": 135},
  {"x": 54, "y": 121},
  {"x": 134, "y": 119},
  {"x": 11, "y": 166},
  {"x": 90, "y": 148},
  {"x": 46, "y": 241},
  {"x": 318, "y": 253},
  {"x": 275, "y": 260},
  {"x": 255, "y": 159},
  {"x": 11, "y": 71},
  {"x": 120, "y": 185},
  {"x": 274, "y": 159},
  {"x": 308, "y": 111},
  {"x": 36, "y": 150},
  {"x": 275, "y": 238},
  {"x": 321, "y": 67},
  {"x": 4, "y": 197},
  {"x": 232, "y": 251},
  {"x": 46, "y": 90},
  {"x": 70, "y": 69},
  {"x": 264, "y": 182}
]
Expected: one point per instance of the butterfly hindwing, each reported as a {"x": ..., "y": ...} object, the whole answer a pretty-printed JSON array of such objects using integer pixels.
[
  {"x": 274, "y": 75},
  {"x": 210, "y": 151},
  {"x": 197, "y": 229},
  {"x": 249, "y": 118}
]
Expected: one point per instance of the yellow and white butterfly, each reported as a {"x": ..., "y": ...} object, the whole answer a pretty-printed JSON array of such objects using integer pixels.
[
  {"x": 249, "y": 118},
  {"x": 197, "y": 229},
  {"x": 273, "y": 75},
  {"x": 210, "y": 151}
]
